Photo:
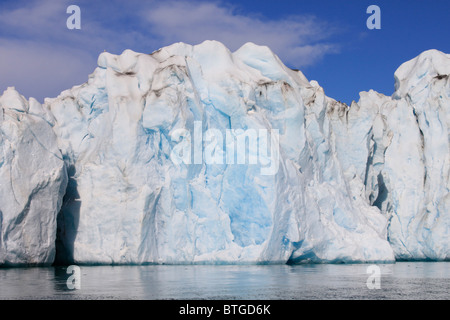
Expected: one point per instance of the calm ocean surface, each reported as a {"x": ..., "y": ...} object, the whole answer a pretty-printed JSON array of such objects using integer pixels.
[{"x": 403, "y": 280}]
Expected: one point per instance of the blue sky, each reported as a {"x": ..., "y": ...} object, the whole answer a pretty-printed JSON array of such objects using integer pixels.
[{"x": 326, "y": 39}]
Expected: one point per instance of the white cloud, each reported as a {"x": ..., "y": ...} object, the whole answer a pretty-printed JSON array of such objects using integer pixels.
[
  {"x": 41, "y": 57},
  {"x": 39, "y": 70},
  {"x": 36, "y": 19},
  {"x": 296, "y": 39}
]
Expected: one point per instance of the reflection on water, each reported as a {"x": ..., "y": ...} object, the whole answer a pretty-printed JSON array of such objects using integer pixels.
[{"x": 415, "y": 280}]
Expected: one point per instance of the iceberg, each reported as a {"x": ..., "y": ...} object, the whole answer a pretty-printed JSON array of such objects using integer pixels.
[{"x": 196, "y": 154}]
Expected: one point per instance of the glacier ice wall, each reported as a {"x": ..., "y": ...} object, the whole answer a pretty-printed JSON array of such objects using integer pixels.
[
  {"x": 136, "y": 205},
  {"x": 416, "y": 162},
  {"x": 366, "y": 183},
  {"x": 32, "y": 182},
  {"x": 399, "y": 148}
]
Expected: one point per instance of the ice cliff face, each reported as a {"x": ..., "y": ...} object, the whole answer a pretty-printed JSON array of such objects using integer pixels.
[
  {"x": 400, "y": 150},
  {"x": 32, "y": 182},
  {"x": 136, "y": 204},
  {"x": 152, "y": 146}
]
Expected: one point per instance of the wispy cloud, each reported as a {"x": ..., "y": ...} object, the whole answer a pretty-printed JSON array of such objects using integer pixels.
[
  {"x": 297, "y": 39},
  {"x": 41, "y": 57},
  {"x": 41, "y": 69}
]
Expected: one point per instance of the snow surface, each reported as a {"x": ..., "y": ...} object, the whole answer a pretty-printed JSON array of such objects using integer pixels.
[{"x": 366, "y": 183}]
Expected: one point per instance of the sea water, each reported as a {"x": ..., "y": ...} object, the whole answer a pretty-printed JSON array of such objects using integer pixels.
[{"x": 402, "y": 280}]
